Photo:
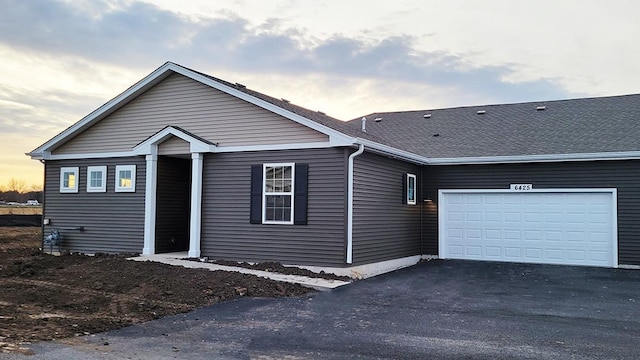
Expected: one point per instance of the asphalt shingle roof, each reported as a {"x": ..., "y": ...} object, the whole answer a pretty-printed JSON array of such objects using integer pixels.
[
  {"x": 317, "y": 116},
  {"x": 589, "y": 125}
]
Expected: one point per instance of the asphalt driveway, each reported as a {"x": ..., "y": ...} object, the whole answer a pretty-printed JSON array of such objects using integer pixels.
[{"x": 440, "y": 309}]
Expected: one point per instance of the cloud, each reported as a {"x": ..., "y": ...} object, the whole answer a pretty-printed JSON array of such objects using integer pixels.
[
  {"x": 135, "y": 34},
  {"x": 39, "y": 113}
]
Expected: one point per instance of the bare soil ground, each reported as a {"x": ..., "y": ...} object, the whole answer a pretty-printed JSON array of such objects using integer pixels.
[
  {"x": 281, "y": 269},
  {"x": 45, "y": 297}
]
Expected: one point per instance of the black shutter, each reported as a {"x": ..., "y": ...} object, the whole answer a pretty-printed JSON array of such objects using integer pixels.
[
  {"x": 300, "y": 194},
  {"x": 256, "y": 194},
  {"x": 404, "y": 188}
]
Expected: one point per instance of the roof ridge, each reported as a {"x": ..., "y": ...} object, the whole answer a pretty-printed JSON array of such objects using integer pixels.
[{"x": 496, "y": 105}]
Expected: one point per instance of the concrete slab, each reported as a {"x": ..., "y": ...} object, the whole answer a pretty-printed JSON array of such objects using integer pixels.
[{"x": 177, "y": 260}]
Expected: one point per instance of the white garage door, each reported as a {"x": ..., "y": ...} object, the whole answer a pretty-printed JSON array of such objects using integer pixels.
[{"x": 574, "y": 227}]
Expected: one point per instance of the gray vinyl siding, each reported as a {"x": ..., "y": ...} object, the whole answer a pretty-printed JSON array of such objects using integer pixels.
[
  {"x": 623, "y": 175},
  {"x": 173, "y": 204},
  {"x": 383, "y": 227},
  {"x": 113, "y": 222},
  {"x": 174, "y": 146},
  {"x": 195, "y": 107},
  {"x": 227, "y": 233}
]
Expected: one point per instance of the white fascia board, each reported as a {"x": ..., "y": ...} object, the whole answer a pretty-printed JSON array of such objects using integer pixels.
[
  {"x": 196, "y": 145},
  {"x": 625, "y": 155},
  {"x": 198, "y": 148},
  {"x": 393, "y": 152},
  {"x": 261, "y": 103},
  {"x": 133, "y": 91},
  {"x": 89, "y": 155}
]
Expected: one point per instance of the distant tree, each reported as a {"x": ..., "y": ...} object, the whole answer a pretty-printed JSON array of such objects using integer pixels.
[
  {"x": 17, "y": 190},
  {"x": 36, "y": 188},
  {"x": 17, "y": 185}
]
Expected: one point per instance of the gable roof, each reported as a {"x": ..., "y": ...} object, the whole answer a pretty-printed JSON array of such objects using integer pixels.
[
  {"x": 589, "y": 128},
  {"x": 196, "y": 143},
  {"x": 320, "y": 122}
]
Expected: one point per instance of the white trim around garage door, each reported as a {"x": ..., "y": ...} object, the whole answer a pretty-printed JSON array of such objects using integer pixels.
[{"x": 442, "y": 223}]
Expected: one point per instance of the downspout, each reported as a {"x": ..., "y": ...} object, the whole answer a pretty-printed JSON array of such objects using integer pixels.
[{"x": 350, "y": 205}]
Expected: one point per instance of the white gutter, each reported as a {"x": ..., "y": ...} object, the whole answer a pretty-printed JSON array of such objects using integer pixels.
[
  {"x": 623, "y": 155},
  {"x": 393, "y": 152},
  {"x": 350, "y": 205}
]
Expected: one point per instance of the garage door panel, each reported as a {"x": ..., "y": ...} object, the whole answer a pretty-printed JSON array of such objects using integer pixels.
[
  {"x": 474, "y": 234},
  {"x": 455, "y": 234},
  {"x": 541, "y": 227},
  {"x": 555, "y": 254},
  {"x": 512, "y": 252},
  {"x": 492, "y": 216},
  {"x": 493, "y": 234},
  {"x": 493, "y": 252},
  {"x": 474, "y": 216},
  {"x": 512, "y": 234},
  {"x": 474, "y": 251}
]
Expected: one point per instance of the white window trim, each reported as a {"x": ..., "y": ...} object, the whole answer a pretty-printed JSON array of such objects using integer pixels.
[
  {"x": 103, "y": 171},
  {"x": 131, "y": 188},
  {"x": 264, "y": 193},
  {"x": 76, "y": 173},
  {"x": 415, "y": 185}
]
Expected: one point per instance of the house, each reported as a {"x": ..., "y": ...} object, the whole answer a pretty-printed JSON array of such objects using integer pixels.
[{"x": 183, "y": 161}]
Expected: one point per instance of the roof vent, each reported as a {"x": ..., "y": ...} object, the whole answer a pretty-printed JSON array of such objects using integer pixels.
[
  {"x": 481, "y": 112},
  {"x": 285, "y": 100},
  {"x": 321, "y": 113},
  {"x": 426, "y": 116},
  {"x": 364, "y": 124},
  {"x": 240, "y": 86},
  {"x": 378, "y": 119},
  {"x": 541, "y": 108}
]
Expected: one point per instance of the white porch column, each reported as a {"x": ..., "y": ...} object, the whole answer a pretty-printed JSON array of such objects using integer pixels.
[
  {"x": 150, "y": 204},
  {"x": 196, "y": 204}
]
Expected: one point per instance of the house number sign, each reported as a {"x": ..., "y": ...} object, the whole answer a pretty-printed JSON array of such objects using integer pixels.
[{"x": 521, "y": 187}]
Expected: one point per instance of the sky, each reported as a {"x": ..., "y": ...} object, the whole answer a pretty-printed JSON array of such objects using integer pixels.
[{"x": 60, "y": 60}]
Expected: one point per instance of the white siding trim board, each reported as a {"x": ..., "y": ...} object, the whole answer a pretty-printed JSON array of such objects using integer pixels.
[
  {"x": 211, "y": 149},
  {"x": 150, "y": 205},
  {"x": 195, "y": 228}
]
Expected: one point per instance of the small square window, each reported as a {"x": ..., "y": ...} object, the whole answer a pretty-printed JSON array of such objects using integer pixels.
[
  {"x": 125, "y": 178},
  {"x": 96, "y": 179},
  {"x": 411, "y": 189},
  {"x": 69, "y": 180}
]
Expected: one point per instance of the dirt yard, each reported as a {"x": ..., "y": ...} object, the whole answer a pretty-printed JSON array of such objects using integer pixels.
[{"x": 46, "y": 297}]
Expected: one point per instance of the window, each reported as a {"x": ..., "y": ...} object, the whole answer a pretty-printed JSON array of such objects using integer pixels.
[
  {"x": 278, "y": 194},
  {"x": 125, "y": 178},
  {"x": 96, "y": 178},
  {"x": 69, "y": 180},
  {"x": 411, "y": 189},
  {"x": 275, "y": 197}
]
